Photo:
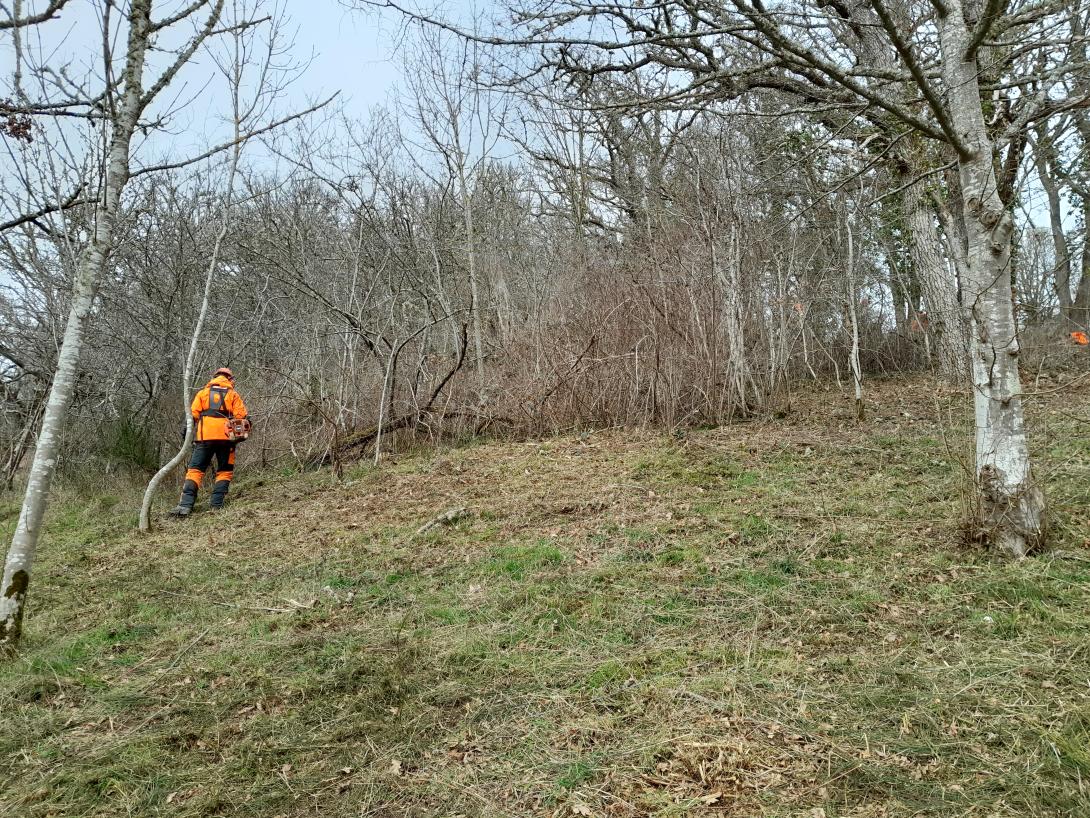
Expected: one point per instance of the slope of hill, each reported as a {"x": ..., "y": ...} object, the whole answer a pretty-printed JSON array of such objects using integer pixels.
[{"x": 773, "y": 618}]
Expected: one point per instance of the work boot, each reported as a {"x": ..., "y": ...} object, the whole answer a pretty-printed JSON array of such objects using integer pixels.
[
  {"x": 185, "y": 504},
  {"x": 219, "y": 493}
]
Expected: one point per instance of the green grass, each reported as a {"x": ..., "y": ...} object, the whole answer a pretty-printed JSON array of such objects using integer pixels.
[
  {"x": 765, "y": 620},
  {"x": 516, "y": 561}
]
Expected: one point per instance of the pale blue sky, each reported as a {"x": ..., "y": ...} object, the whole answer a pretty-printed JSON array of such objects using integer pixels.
[
  {"x": 351, "y": 52},
  {"x": 344, "y": 50},
  {"x": 348, "y": 50}
]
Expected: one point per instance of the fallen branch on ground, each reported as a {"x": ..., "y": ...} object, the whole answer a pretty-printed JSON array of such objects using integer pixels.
[
  {"x": 360, "y": 440},
  {"x": 447, "y": 518}
]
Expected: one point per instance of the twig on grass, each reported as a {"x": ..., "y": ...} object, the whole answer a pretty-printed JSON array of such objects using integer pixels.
[
  {"x": 177, "y": 658},
  {"x": 803, "y": 515},
  {"x": 237, "y": 607}
]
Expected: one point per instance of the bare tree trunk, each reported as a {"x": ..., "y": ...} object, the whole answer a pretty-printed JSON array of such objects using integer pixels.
[
  {"x": 471, "y": 263},
  {"x": 1080, "y": 305},
  {"x": 390, "y": 363},
  {"x": 947, "y": 324},
  {"x": 1012, "y": 506},
  {"x": 1044, "y": 157},
  {"x": 803, "y": 332},
  {"x": 738, "y": 374},
  {"x": 728, "y": 273},
  {"x": 853, "y": 315},
  {"x": 505, "y": 312},
  {"x": 1080, "y": 308},
  {"x": 17, "y": 567},
  {"x": 899, "y": 296}
]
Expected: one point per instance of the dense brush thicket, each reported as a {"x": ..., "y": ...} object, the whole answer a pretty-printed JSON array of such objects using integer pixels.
[
  {"x": 569, "y": 263},
  {"x": 601, "y": 299}
]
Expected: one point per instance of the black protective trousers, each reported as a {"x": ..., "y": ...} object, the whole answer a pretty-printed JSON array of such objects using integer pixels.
[{"x": 223, "y": 451}]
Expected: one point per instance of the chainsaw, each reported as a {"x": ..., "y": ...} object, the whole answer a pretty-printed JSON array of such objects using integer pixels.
[{"x": 238, "y": 429}]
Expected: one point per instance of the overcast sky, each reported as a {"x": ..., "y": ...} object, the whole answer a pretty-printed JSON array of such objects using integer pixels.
[
  {"x": 345, "y": 50},
  {"x": 351, "y": 52}
]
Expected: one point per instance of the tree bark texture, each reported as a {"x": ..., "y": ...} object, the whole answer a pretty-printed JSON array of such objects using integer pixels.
[
  {"x": 946, "y": 322},
  {"x": 1011, "y": 505}
]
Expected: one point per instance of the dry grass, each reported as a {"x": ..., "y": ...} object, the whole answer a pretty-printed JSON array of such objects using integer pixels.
[{"x": 770, "y": 619}]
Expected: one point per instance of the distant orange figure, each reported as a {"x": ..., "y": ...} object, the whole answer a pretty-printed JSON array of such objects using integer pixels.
[
  {"x": 1080, "y": 338},
  {"x": 222, "y": 422},
  {"x": 919, "y": 323}
]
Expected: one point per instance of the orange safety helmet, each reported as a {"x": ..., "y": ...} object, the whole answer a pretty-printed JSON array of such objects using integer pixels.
[{"x": 224, "y": 371}]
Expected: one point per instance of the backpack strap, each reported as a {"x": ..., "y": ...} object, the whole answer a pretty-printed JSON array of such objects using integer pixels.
[{"x": 217, "y": 403}]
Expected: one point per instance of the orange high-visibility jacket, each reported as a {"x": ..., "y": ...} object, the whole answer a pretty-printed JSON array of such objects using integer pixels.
[{"x": 213, "y": 406}]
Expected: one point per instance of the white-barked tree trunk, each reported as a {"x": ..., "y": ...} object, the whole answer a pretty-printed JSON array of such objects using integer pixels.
[
  {"x": 125, "y": 115},
  {"x": 20, "y": 556},
  {"x": 1011, "y": 505}
]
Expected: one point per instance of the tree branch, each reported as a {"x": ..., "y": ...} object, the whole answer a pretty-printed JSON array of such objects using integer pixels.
[
  {"x": 34, "y": 19},
  {"x": 73, "y": 200},
  {"x": 15, "y": 358},
  {"x": 225, "y": 145},
  {"x": 177, "y": 18},
  {"x": 185, "y": 55},
  {"x": 786, "y": 48},
  {"x": 993, "y": 10},
  {"x": 933, "y": 101}
]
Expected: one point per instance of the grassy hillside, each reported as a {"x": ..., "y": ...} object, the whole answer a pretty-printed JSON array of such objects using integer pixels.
[{"x": 776, "y": 618}]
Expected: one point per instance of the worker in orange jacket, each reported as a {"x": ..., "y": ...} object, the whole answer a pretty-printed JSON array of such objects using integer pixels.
[{"x": 215, "y": 410}]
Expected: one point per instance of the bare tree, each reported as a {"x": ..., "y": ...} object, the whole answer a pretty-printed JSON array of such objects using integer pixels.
[
  {"x": 852, "y": 302},
  {"x": 461, "y": 120},
  {"x": 248, "y": 107},
  {"x": 127, "y": 101},
  {"x": 732, "y": 48}
]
